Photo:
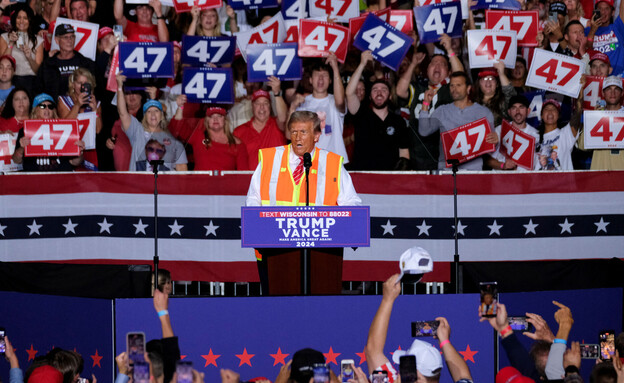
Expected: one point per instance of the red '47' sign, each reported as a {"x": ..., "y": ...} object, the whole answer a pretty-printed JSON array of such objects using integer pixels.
[
  {"x": 524, "y": 23},
  {"x": 556, "y": 73},
  {"x": 51, "y": 138},
  {"x": 341, "y": 10},
  {"x": 467, "y": 141},
  {"x": 603, "y": 129},
  {"x": 187, "y": 5},
  {"x": 592, "y": 93},
  {"x": 517, "y": 145},
  {"x": 318, "y": 38}
]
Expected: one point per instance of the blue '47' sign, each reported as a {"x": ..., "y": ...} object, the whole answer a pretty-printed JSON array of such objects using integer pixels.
[
  {"x": 252, "y": 4},
  {"x": 201, "y": 50},
  {"x": 436, "y": 19},
  {"x": 279, "y": 60},
  {"x": 146, "y": 60},
  {"x": 388, "y": 44},
  {"x": 497, "y": 4},
  {"x": 208, "y": 85}
]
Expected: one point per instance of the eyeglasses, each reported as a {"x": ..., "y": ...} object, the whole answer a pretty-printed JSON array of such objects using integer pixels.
[
  {"x": 158, "y": 151},
  {"x": 44, "y": 106}
]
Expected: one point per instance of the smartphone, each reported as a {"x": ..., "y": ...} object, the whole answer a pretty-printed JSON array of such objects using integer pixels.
[
  {"x": 489, "y": 299},
  {"x": 425, "y": 328},
  {"x": 590, "y": 351},
  {"x": 380, "y": 377},
  {"x": 184, "y": 370},
  {"x": 407, "y": 369},
  {"x": 85, "y": 88},
  {"x": 346, "y": 370},
  {"x": 607, "y": 344},
  {"x": 135, "y": 346},
  {"x": 321, "y": 373},
  {"x": 520, "y": 323},
  {"x": 552, "y": 16},
  {"x": 118, "y": 32},
  {"x": 141, "y": 373},
  {"x": 596, "y": 14},
  {"x": 2, "y": 342},
  {"x": 20, "y": 39}
]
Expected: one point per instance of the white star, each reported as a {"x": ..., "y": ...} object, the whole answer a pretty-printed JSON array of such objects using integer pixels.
[
  {"x": 175, "y": 228},
  {"x": 423, "y": 228},
  {"x": 495, "y": 228},
  {"x": 34, "y": 228},
  {"x": 388, "y": 228},
  {"x": 530, "y": 227},
  {"x": 105, "y": 226},
  {"x": 70, "y": 226},
  {"x": 602, "y": 225},
  {"x": 460, "y": 227},
  {"x": 140, "y": 227},
  {"x": 2, "y": 229},
  {"x": 211, "y": 229},
  {"x": 566, "y": 226}
]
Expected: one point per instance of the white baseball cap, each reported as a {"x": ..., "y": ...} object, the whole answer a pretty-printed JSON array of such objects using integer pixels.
[
  {"x": 414, "y": 262},
  {"x": 428, "y": 358}
]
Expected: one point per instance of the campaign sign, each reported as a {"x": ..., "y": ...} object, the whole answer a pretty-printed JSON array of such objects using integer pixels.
[
  {"x": 137, "y": 1},
  {"x": 464, "y": 5},
  {"x": 86, "y": 36},
  {"x": 435, "y": 19},
  {"x": 146, "y": 59},
  {"x": 7, "y": 148},
  {"x": 294, "y": 10},
  {"x": 517, "y": 145},
  {"x": 252, "y": 4},
  {"x": 525, "y": 23},
  {"x": 486, "y": 47},
  {"x": 111, "y": 82},
  {"x": 592, "y": 93},
  {"x": 467, "y": 141},
  {"x": 51, "y": 138},
  {"x": 186, "y": 5},
  {"x": 536, "y": 99},
  {"x": 279, "y": 60},
  {"x": 87, "y": 128},
  {"x": 401, "y": 19},
  {"x": 340, "y": 10},
  {"x": 292, "y": 31},
  {"x": 305, "y": 226},
  {"x": 387, "y": 43},
  {"x": 497, "y": 4},
  {"x": 318, "y": 38},
  {"x": 271, "y": 31},
  {"x": 208, "y": 85},
  {"x": 556, "y": 73},
  {"x": 603, "y": 129},
  {"x": 200, "y": 50}
]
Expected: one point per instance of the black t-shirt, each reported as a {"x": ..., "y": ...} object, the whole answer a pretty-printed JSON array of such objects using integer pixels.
[{"x": 377, "y": 142}]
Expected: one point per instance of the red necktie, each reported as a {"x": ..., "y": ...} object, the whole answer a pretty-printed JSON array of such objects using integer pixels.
[{"x": 298, "y": 172}]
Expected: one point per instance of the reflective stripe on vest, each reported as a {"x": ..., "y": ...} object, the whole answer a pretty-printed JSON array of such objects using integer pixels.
[{"x": 277, "y": 186}]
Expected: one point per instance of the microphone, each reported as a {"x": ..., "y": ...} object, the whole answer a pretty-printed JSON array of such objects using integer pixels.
[
  {"x": 453, "y": 162},
  {"x": 307, "y": 161}
]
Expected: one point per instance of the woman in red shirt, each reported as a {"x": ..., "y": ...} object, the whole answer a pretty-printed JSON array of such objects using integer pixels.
[{"x": 214, "y": 146}]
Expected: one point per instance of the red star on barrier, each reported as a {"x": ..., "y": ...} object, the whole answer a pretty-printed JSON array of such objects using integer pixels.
[
  {"x": 96, "y": 359},
  {"x": 330, "y": 356},
  {"x": 182, "y": 356},
  {"x": 279, "y": 357},
  {"x": 468, "y": 354},
  {"x": 392, "y": 353},
  {"x": 31, "y": 353},
  {"x": 211, "y": 358},
  {"x": 362, "y": 356},
  {"x": 245, "y": 358}
]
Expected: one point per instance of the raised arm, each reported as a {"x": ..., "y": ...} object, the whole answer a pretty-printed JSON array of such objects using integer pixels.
[
  {"x": 427, "y": 125},
  {"x": 554, "y": 365},
  {"x": 402, "y": 88},
  {"x": 455, "y": 362},
  {"x": 163, "y": 31},
  {"x": 339, "y": 92},
  {"x": 456, "y": 64},
  {"x": 122, "y": 108},
  {"x": 280, "y": 105},
  {"x": 118, "y": 10},
  {"x": 353, "y": 102}
]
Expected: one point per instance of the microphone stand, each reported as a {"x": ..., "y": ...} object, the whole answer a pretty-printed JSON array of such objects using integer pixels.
[
  {"x": 305, "y": 251},
  {"x": 155, "y": 164},
  {"x": 456, "y": 265}
]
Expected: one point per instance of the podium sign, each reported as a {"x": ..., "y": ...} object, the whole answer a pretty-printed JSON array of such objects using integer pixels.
[{"x": 305, "y": 226}]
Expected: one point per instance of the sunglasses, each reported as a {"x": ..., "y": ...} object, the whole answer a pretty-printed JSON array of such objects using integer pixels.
[
  {"x": 158, "y": 151},
  {"x": 44, "y": 106}
]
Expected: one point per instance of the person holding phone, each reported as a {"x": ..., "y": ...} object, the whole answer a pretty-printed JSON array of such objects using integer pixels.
[{"x": 606, "y": 33}]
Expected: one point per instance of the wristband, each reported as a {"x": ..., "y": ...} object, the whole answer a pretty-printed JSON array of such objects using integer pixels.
[
  {"x": 505, "y": 330},
  {"x": 162, "y": 313},
  {"x": 163, "y": 17},
  {"x": 425, "y": 103},
  {"x": 503, "y": 166},
  {"x": 590, "y": 39},
  {"x": 562, "y": 341},
  {"x": 572, "y": 369},
  {"x": 120, "y": 89},
  {"x": 451, "y": 54},
  {"x": 444, "y": 343}
]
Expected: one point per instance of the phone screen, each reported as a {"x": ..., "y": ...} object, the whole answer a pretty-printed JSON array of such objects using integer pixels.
[
  {"x": 489, "y": 299},
  {"x": 321, "y": 373},
  {"x": 380, "y": 377},
  {"x": 2, "y": 341},
  {"x": 141, "y": 372},
  {"x": 520, "y": 323},
  {"x": 184, "y": 370},
  {"x": 590, "y": 351},
  {"x": 425, "y": 328},
  {"x": 407, "y": 369},
  {"x": 346, "y": 370},
  {"x": 135, "y": 343},
  {"x": 607, "y": 344}
]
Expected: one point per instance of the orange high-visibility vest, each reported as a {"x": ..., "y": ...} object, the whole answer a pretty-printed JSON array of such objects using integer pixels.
[{"x": 278, "y": 188}]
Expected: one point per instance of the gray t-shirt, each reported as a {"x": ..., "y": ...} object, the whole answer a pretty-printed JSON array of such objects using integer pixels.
[
  {"x": 448, "y": 117},
  {"x": 138, "y": 137}
]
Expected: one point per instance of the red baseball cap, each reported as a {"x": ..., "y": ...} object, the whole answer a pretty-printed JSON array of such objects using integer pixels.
[
  {"x": 552, "y": 101},
  {"x": 597, "y": 55},
  {"x": 260, "y": 93},
  {"x": 10, "y": 58},
  {"x": 104, "y": 31},
  {"x": 610, "y": 2},
  {"x": 215, "y": 110},
  {"x": 488, "y": 72}
]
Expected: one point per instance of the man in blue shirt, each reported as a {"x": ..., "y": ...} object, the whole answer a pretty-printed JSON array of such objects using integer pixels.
[{"x": 7, "y": 70}]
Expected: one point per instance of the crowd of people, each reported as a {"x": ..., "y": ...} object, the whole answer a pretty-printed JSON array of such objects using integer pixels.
[
  {"x": 373, "y": 116},
  {"x": 549, "y": 359}
]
